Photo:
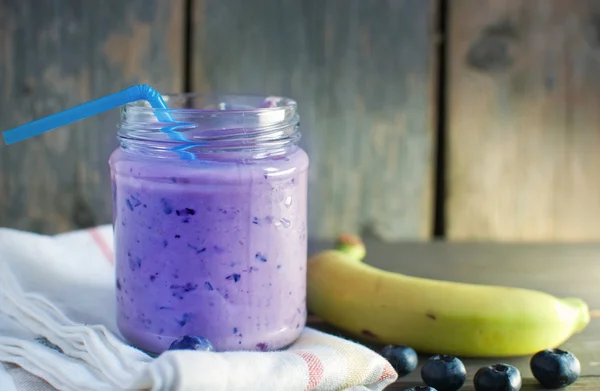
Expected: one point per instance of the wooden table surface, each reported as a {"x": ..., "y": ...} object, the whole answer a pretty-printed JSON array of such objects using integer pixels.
[{"x": 559, "y": 269}]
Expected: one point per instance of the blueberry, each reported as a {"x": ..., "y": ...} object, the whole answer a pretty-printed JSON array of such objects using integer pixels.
[
  {"x": 235, "y": 277},
  {"x": 444, "y": 373},
  {"x": 402, "y": 358},
  {"x": 262, "y": 346},
  {"x": 555, "y": 368},
  {"x": 497, "y": 377},
  {"x": 188, "y": 342},
  {"x": 421, "y": 388},
  {"x": 166, "y": 206}
]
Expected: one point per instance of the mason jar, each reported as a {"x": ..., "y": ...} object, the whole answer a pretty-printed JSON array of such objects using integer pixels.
[{"x": 210, "y": 222}]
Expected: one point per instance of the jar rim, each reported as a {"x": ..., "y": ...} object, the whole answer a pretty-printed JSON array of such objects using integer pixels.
[
  {"x": 244, "y": 103},
  {"x": 211, "y": 122}
]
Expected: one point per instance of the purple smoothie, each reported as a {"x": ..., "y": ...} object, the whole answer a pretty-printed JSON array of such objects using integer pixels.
[{"x": 215, "y": 248}]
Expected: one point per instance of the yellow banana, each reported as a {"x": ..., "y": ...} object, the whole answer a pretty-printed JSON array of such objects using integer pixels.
[{"x": 435, "y": 316}]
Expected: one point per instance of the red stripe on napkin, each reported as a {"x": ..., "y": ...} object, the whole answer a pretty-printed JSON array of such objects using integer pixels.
[
  {"x": 388, "y": 373},
  {"x": 315, "y": 369},
  {"x": 102, "y": 245}
]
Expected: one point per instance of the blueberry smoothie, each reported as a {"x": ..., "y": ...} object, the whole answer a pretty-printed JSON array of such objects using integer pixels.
[{"x": 214, "y": 248}]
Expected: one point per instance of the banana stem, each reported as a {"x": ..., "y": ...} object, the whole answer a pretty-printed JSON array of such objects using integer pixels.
[{"x": 352, "y": 246}]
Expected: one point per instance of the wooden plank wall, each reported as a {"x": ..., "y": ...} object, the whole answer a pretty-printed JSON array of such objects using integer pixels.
[
  {"x": 523, "y": 120},
  {"x": 56, "y": 54},
  {"x": 521, "y": 93},
  {"x": 364, "y": 74}
]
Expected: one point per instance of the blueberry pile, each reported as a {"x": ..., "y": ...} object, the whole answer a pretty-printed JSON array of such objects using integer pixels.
[{"x": 552, "y": 368}]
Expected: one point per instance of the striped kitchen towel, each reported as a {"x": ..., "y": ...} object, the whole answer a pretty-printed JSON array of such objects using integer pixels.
[{"x": 58, "y": 331}]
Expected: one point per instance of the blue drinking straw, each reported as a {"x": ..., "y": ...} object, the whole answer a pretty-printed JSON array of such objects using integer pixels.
[{"x": 109, "y": 102}]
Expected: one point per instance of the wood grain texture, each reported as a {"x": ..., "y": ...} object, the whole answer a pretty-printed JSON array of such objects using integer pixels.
[
  {"x": 564, "y": 270},
  {"x": 523, "y": 120},
  {"x": 362, "y": 72},
  {"x": 54, "y": 55},
  {"x": 587, "y": 383}
]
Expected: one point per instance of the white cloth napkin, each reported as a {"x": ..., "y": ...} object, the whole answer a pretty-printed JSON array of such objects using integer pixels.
[{"x": 58, "y": 331}]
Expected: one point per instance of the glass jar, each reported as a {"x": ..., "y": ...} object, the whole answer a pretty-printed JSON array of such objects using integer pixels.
[{"x": 210, "y": 222}]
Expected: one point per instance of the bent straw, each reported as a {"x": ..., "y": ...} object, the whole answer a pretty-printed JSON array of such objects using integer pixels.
[{"x": 109, "y": 102}]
